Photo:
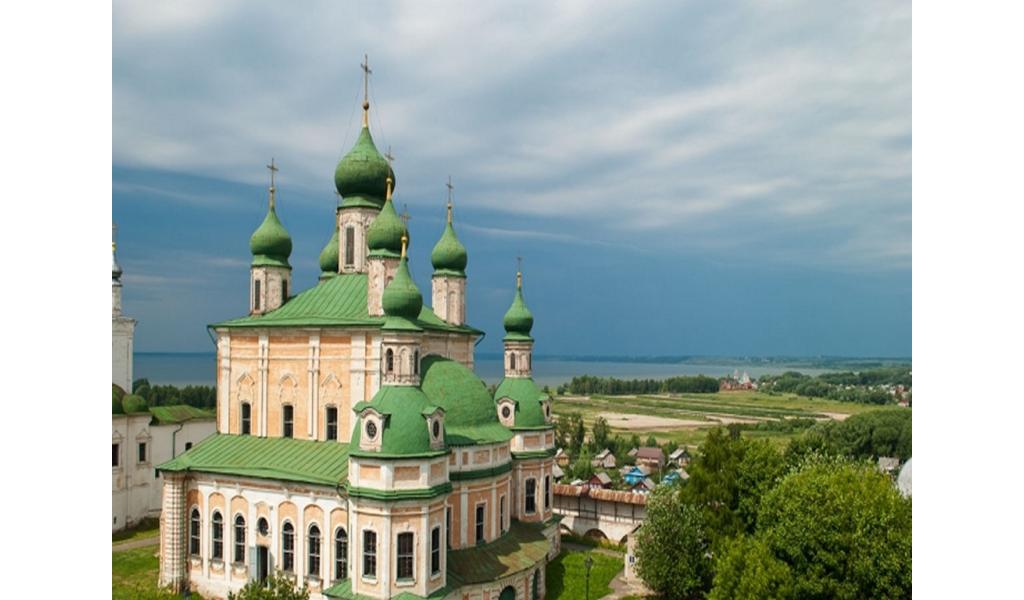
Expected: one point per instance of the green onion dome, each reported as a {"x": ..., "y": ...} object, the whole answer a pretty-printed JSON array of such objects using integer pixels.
[
  {"x": 134, "y": 403},
  {"x": 360, "y": 174},
  {"x": 518, "y": 320},
  {"x": 329, "y": 257},
  {"x": 529, "y": 399},
  {"x": 469, "y": 414},
  {"x": 401, "y": 298},
  {"x": 384, "y": 235},
  {"x": 270, "y": 244},
  {"x": 404, "y": 430},
  {"x": 449, "y": 255}
]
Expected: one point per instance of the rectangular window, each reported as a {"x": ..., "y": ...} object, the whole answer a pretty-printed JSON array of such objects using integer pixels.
[
  {"x": 288, "y": 548},
  {"x": 369, "y": 554},
  {"x": 405, "y": 550},
  {"x": 284, "y": 292},
  {"x": 239, "y": 540},
  {"x": 480, "y": 509},
  {"x": 340, "y": 555},
  {"x": 142, "y": 452},
  {"x": 350, "y": 246},
  {"x": 193, "y": 534},
  {"x": 448, "y": 526},
  {"x": 288, "y": 410},
  {"x": 435, "y": 551},
  {"x": 332, "y": 423},
  {"x": 116, "y": 454},
  {"x": 256, "y": 295},
  {"x": 188, "y": 446},
  {"x": 218, "y": 536},
  {"x": 501, "y": 514},
  {"x": 246, "y": 418},
  {"x": 547, "y": 492},
  {"x": 531, "y": 496}
]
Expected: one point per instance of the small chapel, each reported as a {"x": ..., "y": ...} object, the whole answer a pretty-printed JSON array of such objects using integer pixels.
[{"x": 356, "y": 451}]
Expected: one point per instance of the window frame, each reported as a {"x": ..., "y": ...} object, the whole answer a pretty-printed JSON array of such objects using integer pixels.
[
  {"x": 195, "y": 531},
  {"x": 530, "y": 496},
  {"x": 314, "y": 542},
  {"x": 287, "y": 421},
  {"x": 245, "y": 419},
  {"x": 238, "y": 540},
  {"x": 435, "y": 550},
  {"x": 288, "y": 547},
  {"x": 479, "y": 522},
  {"x": 256, "y": 294},
  {"x": 389, "y": 361},
  {"x": 406, "y": 558},
  {"x": 369, "y": 570},
  {"x": 340, "y": 554},
  {"x": 350, "y": 245},
  {"x": 116, "y": 454},
  {"x": 547, "y": 492},
  {"x": 216, "y": 535},
  {"x": 331, "y": 423},
  {"x": 501, "y": 513},
  {"x": 143, "y": 452}
]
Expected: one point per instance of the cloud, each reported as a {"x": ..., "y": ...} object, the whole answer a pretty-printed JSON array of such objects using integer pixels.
[{"x": 731, "y": 119}]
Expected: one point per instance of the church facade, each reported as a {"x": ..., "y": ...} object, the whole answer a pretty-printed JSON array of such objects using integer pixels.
[{"x": 356, "y": 452}]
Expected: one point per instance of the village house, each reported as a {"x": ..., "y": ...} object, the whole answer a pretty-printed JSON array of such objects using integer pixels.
[
  {"x": 604, "y": 459},
  {"x": 680, "y": 457},
  {"x": 651, "y": 456},
  {"x": 600, "y": 481}
]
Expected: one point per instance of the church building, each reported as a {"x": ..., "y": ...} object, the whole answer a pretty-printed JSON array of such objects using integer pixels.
[{"x": 357, "y": 453}]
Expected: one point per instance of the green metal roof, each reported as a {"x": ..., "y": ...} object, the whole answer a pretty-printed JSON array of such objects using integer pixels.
[
  {"x": 329, "y": 255},
  {"x": 361, "y": 175},
  {"x": 179, "y": 413},
  {"x": 449, "y": 255},
  {"x": 343, "y": 589},
  {"x": 401, "y": 299},
  {"x": 385, "y": 232},
  {"x": 283, "y": 459},
  {"x": 522, "y": 547},
  {"x": 270, "y": 244},
  {"x": 405, "y": 432},
  {"x": 337, "y": 302},
  {"x": 528, "y": 397},
  {"x": 518, "y": 320},
  {"x": 470, "y": 414}
]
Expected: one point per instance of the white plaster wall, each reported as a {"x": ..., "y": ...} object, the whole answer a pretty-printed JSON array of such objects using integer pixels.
[{"x": 122, "y": 334}]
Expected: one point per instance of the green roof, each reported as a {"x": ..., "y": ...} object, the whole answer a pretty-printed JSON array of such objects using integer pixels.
[
  {"x": 523, "y": 547},
  {"x": 179, "y": 413},
  {"x": 337, "y": 302},
  {"x": 343, "y": 589},
  {"x": 449, "y": 256},
  {"x": 270, "y": 244},
  {"x": 405, "y": 432},
  {"x": 283, "y": 459},
  {"x": 470, "y": 414},
  {"x": 401, "y": 300},
  {"x": 518, "y": 320},
  {"x": 385, "y": 231},
  {"x": 361, "y": 175},
  {"x": 329, "y": 255},
  {"x": 528, "y": 397}
]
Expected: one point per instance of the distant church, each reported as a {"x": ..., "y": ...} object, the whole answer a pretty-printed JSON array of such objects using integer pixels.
[
  {"x": 356, "y": 451},
  {"x": 141, "y": 436}
]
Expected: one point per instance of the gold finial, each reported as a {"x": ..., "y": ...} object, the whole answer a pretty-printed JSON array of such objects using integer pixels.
[
  {"x": 405, "y": 242},
  {"x": 450, "y": 188},
  {"x": 366, "y": 89},
  {"x": 390, "y": 158},
  {"x": 113, "y": 237},
  {"x": 519, "y": 273},
  {"x": 273, "y": 169}
]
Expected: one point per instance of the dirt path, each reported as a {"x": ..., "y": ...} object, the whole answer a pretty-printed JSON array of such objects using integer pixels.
[{"x": 133, "y": 544}]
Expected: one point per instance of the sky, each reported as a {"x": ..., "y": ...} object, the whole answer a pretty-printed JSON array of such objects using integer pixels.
[{"x": 680, "y": 178}]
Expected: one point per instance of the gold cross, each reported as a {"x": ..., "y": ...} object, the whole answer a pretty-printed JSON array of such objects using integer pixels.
[
  {"x": 450, "y": 188},
  {"x": 519, "y": 273}
]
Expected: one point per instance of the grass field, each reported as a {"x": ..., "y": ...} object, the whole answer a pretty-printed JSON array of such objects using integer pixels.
[
  {"x": 704, "y": 411},
  {"x": 135, "y": 575},
  {"x": 566, "y": 575},
  {"x": 146, "y": 528}
]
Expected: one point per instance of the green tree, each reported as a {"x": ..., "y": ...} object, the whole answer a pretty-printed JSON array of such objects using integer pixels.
[
  {"x": 672, "y": 547},
  {"x": 712, "y": 486},
  {"x": 761, "y": 468},
  {"x": 563, "y": 431},
  {"x": 746, "y": 569},
  {"x": 277, "y": 587},
  {"x": 842, "y": 528},
  {"x": 599, "y": 432},
  {"x": 581, "y": 467},
  {"x": 651, "y": 441},
  {"x": 579, "y": 433}
]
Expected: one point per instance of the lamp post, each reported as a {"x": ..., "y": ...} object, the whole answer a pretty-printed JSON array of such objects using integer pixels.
[{"x": 589, "y": 562}]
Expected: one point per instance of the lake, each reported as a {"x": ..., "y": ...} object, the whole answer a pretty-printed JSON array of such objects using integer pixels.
[{"x": 199, "y": 368}]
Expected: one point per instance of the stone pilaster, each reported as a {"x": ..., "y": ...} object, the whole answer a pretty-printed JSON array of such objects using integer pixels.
[
  {"x": 448, "y": 298},
  {"x": 173, "y": 534}
]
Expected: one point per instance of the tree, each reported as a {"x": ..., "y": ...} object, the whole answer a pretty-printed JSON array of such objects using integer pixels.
[
  {"x": 746, "y": 569},
  {"x": 599, "y": 433},
  {"x": 760, "y": 469},
  {"x": 651, "y": 441},
  {"x": 843, "y": 530},
  {"x": 579, "y": 433},
  {"x": 581, "y": 467},
  {"x": 277, "y": 587},
  {"x": 672, "y": 547},
  {"x": 563, "y": 431}
]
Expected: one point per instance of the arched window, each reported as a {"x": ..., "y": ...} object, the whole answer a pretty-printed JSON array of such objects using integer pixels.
[
  {"x": 288, "y": 548},
  {"x": 239, "y": 556},
  {"x": 405, "y": 555},
  {"x": 512, "y": 361},
  {"x": 350, "y": 246},
  {"x": 340, "y": 554},
  {"x": 531, "y": 496},
  {"x": 416, "y": 363},
  {"x": 313, "y": 553},
  {"x": 369, "y": 554},
  {"x": 246, "y": 418},
  {"x": 284, "y": 291},
  {"x": 256, "y": 295},
  {"x": 217, "y": 535},
  {"x": 389, "y": 361},
  {"x": 193, "y": 533}
]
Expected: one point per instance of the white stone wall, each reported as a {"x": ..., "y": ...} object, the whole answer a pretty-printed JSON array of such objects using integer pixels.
[
  {"x": 272, "y": 280},
  {"x": 359, "y": 220},
  {"x": 448, "y": 298},
  {"x": 122, "y": 335},
  {"x": 522, "y": 363},
  {"x": 381, "y": 272}
]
